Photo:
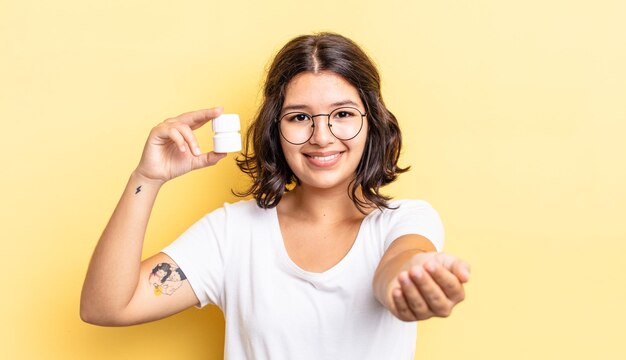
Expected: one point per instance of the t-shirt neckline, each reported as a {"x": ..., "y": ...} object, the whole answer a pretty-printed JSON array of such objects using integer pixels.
[{"x": 291, "y": 266}]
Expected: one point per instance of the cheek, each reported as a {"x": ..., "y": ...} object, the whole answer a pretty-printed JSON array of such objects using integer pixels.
[
  {"x": 361, "y": 143},
  {"x": 361, "y": 153}
]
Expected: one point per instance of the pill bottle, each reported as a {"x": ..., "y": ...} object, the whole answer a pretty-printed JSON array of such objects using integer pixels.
[{"x": 226, "y": 137}]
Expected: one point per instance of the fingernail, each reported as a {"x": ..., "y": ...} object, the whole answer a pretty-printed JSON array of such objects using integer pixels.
[{"x": 197, "y": 151}]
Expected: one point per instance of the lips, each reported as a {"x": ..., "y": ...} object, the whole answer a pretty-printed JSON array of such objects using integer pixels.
[{"x": 323, "y": 159}]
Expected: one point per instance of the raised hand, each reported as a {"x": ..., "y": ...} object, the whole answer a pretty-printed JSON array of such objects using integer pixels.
[
  {"x": 172, "y": 149},
  {"x": 431, "y": 286}
]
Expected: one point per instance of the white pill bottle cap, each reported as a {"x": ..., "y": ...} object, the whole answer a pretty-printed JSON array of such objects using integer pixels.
[{"x": 226, "y": 136}]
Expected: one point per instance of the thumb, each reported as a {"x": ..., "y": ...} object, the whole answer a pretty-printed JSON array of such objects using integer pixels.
[{"x": 208, "y": 159}]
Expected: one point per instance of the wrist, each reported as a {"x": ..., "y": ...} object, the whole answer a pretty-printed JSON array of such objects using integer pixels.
[
  {"x": 386, "y": 277},
  {"x": 139, "y": 179}
]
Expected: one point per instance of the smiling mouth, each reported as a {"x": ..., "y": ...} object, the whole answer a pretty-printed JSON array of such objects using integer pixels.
[{"x": 324, "y": 158}]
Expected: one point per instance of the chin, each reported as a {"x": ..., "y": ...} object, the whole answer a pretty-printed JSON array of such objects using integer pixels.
[{"x": 326, "y": 183}]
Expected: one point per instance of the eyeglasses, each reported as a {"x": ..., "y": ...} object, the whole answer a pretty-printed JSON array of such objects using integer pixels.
[{"x": 297, "y": 127}]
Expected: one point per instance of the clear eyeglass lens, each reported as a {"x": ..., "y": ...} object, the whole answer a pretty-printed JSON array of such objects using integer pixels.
[
  {"x": 345, "y": 123},
  {"x": 296, "y": 127}
]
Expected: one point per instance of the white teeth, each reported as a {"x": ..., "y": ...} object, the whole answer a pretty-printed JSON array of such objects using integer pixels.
[{"x": 326, "y": 158}]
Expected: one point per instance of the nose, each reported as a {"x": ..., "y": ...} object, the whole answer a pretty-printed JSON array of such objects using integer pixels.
[{"x": 321, "y": 131}]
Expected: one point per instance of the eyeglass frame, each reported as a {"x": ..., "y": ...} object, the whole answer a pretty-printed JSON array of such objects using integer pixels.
[{"x": 278, "y": 120}]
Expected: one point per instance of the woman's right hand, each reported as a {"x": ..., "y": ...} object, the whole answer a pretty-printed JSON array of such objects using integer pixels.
[{"x": 172, "y": 149}]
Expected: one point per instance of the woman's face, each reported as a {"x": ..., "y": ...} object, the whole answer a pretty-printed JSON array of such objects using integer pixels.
[{"x": 323, "y": 161}]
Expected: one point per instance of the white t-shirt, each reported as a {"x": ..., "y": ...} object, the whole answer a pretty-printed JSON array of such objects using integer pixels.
[{"x": 235, "y": 258}]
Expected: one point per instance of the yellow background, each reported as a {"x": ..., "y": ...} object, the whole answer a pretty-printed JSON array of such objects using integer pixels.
[{"x": 513, "y": 115}]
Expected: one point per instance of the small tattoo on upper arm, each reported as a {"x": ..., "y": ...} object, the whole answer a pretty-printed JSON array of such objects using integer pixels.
[
  {"x": 166, "y": 278},
  {"x": 137, "y": 190}
]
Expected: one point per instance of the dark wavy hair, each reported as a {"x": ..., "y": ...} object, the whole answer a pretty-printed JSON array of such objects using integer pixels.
[{"x": 263, "y": 159}]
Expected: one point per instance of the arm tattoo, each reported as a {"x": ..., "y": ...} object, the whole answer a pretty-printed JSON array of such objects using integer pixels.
[
  {"x": 137, "y": 190},
  {"x": 166, "y": 278}
]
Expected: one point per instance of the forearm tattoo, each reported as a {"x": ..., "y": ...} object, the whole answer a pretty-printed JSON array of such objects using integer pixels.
[{"x": 166, "y": 278}]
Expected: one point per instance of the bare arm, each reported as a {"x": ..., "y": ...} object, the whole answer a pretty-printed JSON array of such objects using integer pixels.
[
  {"x": 118, "y": 289},
  {"x": 416, "y": 283}
]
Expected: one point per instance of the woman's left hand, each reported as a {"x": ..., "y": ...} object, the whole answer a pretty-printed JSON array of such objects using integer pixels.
[{"x": 431, "y": 285}]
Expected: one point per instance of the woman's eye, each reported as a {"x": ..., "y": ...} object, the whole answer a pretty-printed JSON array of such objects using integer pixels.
[
  {"x": 344, "y": 114},
  {"x": 299, "y": 117}
]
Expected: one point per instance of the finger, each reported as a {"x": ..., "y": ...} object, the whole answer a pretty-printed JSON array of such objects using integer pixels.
[
  {"x": 212, "y": 157},
  {"x": 195, "y": 119},
  {"x": 446, "y": 260},
  {"x": 434, "y": 297},
  {"x": 413, "y": 298},
  {"x": 402, "y": 308},
  {"x": 190, "y": 138},
  {"x": 177, "y": 138},
  {"x": 447, "y": 281},
  {"x": 457, "y": 266},
  {"x": 462, "y": 270}
]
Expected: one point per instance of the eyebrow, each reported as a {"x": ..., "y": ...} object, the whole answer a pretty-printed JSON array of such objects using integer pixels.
[{"x": 305, "y": 107}]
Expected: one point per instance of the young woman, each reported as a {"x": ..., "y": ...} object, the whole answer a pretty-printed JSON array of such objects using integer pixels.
[{"x": 319, "y": 265}]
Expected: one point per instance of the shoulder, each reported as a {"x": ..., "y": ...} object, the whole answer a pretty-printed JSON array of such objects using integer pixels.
[
  {"x": 239, "y": 207},
  {"x": 410, "y": 203},
  {"x": 218, "y": 226},
  {"x": 244, "y": 208},
  {"x": 408, "y": 216},
  {"x": 401, "y": 207},
  {"x": 240, "y": 212}
]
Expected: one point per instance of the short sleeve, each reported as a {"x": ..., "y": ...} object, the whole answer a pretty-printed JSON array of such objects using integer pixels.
[
  {"x": 199, "y": 253},
  {"x": 414, "y": 217}
]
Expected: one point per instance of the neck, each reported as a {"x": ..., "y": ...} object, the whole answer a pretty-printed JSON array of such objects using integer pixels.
[{"x": 321, "y": 205}]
